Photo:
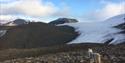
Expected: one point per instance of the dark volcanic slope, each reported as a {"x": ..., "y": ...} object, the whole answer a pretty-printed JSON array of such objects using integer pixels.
[
  {"x": 34, "y": 35},
  {"x": 62, "y": 21}
]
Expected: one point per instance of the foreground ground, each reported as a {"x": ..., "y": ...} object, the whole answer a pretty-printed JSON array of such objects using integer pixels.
[{"x": 64, "y": 54}]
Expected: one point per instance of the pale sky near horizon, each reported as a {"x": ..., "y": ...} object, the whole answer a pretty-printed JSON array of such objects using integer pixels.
[{"x": 48, "y": 10}]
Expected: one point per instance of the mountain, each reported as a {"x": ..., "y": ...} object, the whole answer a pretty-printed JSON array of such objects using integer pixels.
[
  {"x": 16, "y": 22},
  {"x": 110, "y": 31},
  {"x": 36, "y": 34},
  {"x": 62, "y": 21},
  {"x": 3, "y": 22}
]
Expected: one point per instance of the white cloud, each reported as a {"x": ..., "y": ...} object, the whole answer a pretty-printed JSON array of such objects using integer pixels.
[
  {"x": 5, "y": 1},
  {"x": 110, "y": 9},
  {"x": 64, "y": 11},
  {"x": 29, "y": 7},
  {"x": 37, "y": 10},
  {"x": 8, "y": 18}
]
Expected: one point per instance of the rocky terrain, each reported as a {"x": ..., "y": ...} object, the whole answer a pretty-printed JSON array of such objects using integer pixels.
[{"x": 109, "y": 54}]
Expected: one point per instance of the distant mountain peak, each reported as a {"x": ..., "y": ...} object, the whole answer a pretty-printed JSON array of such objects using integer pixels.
[
  {"x": 62, "y": 21},
  {"x": 16, "y": 22}
]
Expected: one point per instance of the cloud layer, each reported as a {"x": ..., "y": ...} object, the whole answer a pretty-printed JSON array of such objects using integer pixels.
[
  {"x": 46, "y": 9},
  {"x": 29, "y": 7},
  {"x": 110, "y": 9}
]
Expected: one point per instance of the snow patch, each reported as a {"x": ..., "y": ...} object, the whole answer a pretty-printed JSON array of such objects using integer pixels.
[{"x": 2, "y": 32}]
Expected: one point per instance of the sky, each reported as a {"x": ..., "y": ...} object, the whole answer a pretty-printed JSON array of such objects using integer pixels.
[{"x": 48, "y": 10}]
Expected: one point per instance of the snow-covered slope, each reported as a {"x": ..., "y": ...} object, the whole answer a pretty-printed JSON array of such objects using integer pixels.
[
  {"x": 13, "y": 23},
  {"x": 99, "y": 32},
  {"x": 16, "y": 22},
  {"x": 3, "y": 22},
  {"x": 2, "y": 32}
]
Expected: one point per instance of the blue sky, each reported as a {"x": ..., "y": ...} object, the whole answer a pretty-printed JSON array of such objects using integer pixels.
[{"x": 48, "y": 10}]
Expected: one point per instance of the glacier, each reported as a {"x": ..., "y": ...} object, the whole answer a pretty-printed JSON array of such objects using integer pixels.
[{"x": 99, "y": 32}]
